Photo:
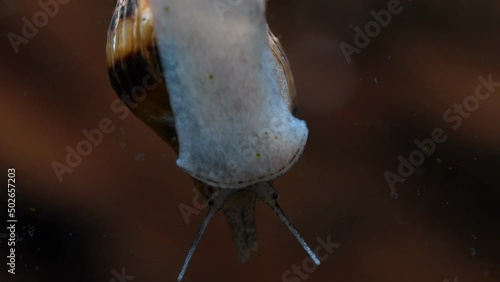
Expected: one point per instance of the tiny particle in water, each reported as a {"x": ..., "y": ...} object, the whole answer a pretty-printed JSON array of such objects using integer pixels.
[
  {"x": 376, "y": 80},
  {"x": 257, "y": 155},
  {"x": 473, "y": 252},
  {"x": 439, "y": 161},
  {"x": 139, "y": 156},
  {"x": 276, "y": 137},
  {"x": 211, "y": 77}
]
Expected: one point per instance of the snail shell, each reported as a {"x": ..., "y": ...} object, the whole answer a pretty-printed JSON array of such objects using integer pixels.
[{"x": 131, "y": 56}]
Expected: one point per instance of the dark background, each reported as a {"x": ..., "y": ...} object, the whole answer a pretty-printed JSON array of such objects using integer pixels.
[{"x": 120, "y": 206}]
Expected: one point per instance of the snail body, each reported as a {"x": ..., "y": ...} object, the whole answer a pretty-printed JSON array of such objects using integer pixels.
[{"x": 226, "y": 104}]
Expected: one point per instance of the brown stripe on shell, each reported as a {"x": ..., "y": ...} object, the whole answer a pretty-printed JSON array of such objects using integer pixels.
[{"x": 132, "y": 58}]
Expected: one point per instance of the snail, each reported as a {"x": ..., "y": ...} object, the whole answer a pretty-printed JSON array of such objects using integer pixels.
[{"x": 225, "y": 104}]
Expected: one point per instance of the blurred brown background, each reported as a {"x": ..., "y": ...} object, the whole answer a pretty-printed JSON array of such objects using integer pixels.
[{"x": 120, "y": 206}]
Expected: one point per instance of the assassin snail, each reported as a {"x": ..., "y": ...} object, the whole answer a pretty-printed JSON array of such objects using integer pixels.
[{"x": 217, "y": 87}]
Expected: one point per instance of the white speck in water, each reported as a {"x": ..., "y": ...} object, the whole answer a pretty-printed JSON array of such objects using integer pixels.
[
  {"x": 376, "y": 80},
  {"x": 473, "y": 252},
  {"x": 139, "y": 156}
]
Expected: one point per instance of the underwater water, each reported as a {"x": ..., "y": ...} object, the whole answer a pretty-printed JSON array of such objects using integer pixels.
[{"x": 399, "y": 179}]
